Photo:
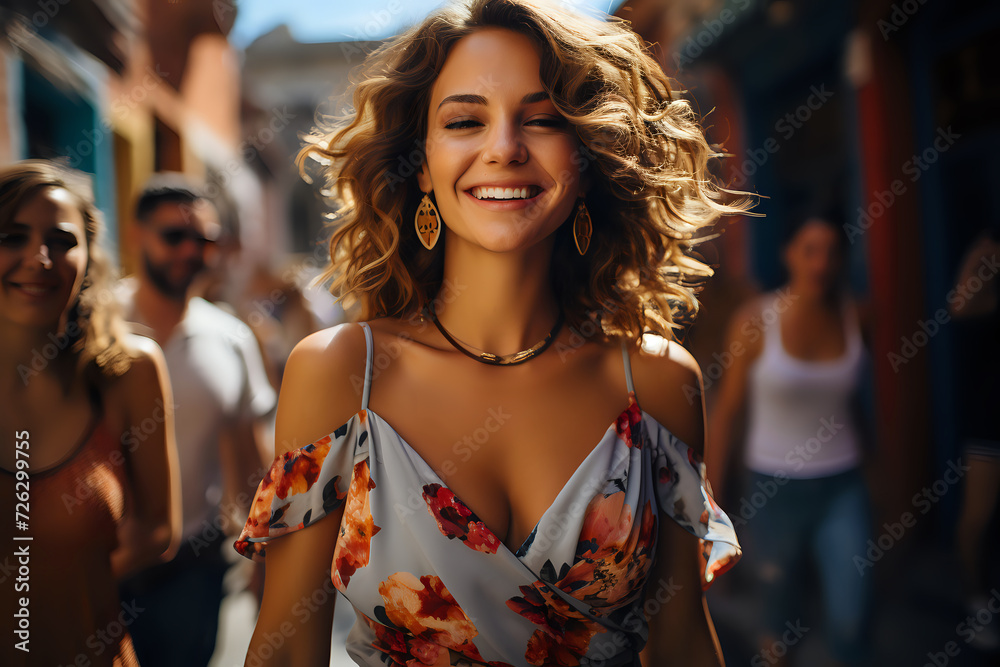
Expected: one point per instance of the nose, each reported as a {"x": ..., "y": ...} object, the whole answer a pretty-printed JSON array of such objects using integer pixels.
[
  {"x": 43, "y": 256},
  {"x": 504, "y": 145}
]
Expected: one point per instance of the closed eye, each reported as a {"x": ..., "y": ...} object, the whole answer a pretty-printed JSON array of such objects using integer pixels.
[
  {"x": 547, "y": 121},
  {"x": 462, "y": 124},
  {"x": 13, "y": 240},
  {"x": 61, "y": 241}
]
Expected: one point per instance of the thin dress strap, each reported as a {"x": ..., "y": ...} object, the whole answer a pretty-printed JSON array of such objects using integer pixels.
[
  {"x": 369, "y": 353},
  {"x": 628, "y": 367}
]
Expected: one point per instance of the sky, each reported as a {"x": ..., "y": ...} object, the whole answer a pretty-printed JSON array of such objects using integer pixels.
[{"x": 343, "y": 20}]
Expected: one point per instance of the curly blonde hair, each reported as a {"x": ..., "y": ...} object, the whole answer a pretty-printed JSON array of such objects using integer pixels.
[
  {"x": 650, "y": 200},
  {"x": 94, "y": 330}
]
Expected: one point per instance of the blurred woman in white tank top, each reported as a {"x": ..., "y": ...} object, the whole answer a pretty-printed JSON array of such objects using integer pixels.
[{"x": 797, "y": 362}]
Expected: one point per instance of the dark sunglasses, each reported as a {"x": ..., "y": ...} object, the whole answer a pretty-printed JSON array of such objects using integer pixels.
[{"x": 174, "y": 236}]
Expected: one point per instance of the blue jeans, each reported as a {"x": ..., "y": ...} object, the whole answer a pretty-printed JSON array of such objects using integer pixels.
[{"x": 827, "y": 518}]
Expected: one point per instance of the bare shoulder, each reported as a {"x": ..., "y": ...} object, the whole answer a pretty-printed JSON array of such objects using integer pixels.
[
  {"x": 668, "y": 384},
  {"x": 147, "y": 368},
  {"x": 322, "y": 385},
  {"x": 143, "y": 390},
  {"x": 747, "y": 323}
]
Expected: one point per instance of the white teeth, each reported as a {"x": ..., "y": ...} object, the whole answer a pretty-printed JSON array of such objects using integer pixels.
[
  {"x": 499, "y": 193},
  {"x": 33, "y": 290}
]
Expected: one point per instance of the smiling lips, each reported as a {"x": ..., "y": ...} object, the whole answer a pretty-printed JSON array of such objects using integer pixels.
[
  {"x": 34, "y": 289},
  {"x": 497, "y": 193}
]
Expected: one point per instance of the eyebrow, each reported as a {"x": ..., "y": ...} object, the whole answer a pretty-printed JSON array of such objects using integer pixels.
[
  {"x": 467, "y": 98},
  {"x": 23, "y": 227}
]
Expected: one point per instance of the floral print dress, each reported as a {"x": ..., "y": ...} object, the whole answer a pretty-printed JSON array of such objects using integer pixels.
[{"x": 432, "y": 585}]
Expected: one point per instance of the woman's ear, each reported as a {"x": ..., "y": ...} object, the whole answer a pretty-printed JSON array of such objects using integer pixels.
[{"x": 424, "y": 178}]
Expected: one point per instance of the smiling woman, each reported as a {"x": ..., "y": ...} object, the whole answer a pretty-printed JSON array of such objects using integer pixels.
[
  {"x": 509, "y": 167},
  {"x": 74, "y": 383}
]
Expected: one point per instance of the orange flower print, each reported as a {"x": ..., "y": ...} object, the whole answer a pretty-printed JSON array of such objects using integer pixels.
[
  {"x": 564, "y": 634},
  {"x": 613, "y": 555},
  {"x": 291, "y": 473},
  {"x": 356, "y": 528},
  {"x": 426, "y": 609},
  {"x": 456, "y": 520},
  {"x": 301, "y": 468}
]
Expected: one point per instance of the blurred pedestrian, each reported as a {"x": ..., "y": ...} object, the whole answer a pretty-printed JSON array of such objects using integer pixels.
[
  {"x": 798, "y": 361},
  {"x": 974, "y": 301},
  {"x": 222, "y": 395},
  {"x": 88, "y": 466}
]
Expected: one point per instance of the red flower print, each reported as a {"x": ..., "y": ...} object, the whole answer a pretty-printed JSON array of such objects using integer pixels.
[
  {"x": 564, "y": 634},
  {"x": 627, "y": 424},
  {"x": 693, "y": 458},
  {"x": 427, "y": 610},
  {"x": 405, "y": 650},
  {"x": 456, "y": 521},
  {"x": 356, "y": 528}
]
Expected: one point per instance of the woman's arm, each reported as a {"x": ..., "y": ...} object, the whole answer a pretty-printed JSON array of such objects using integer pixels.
[
  {"x": 680, "y": 629},
  {"x": 296, "y": 612},
  {"x": 743, "y": 342},
  {"x": 152, "y": 530}
]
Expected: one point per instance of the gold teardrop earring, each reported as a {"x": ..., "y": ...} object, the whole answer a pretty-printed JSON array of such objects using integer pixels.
[
  {"x": 427, "y": 222},
  {"x": 583, "y": 228}
]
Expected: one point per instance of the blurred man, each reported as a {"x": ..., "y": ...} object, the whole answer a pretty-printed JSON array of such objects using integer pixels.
[{"x": 221, "y": 393}]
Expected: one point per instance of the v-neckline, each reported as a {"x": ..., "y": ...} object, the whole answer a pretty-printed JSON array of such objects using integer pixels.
[{"x": 521, "y": 551}]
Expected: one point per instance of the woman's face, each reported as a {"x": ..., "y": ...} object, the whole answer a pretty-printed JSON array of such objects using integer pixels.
[
  {"x": 814, "y": 258},
  {"x": 504, "y": 165},
  {"x": 43, "y": 258}
]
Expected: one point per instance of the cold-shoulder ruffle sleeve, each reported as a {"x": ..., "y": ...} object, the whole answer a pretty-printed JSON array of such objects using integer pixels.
[
  {"x": 683, "y": 492},
  {"x": 302, "y": 486}
]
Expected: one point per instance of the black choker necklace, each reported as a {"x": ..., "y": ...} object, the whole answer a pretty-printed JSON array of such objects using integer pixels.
[{"x": 498, "y": 360}]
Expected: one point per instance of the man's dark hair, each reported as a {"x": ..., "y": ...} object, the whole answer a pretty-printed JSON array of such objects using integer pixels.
[{"x": 166, "y": 188}]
